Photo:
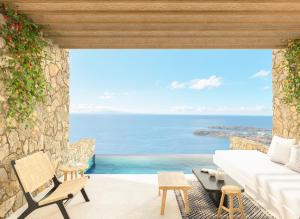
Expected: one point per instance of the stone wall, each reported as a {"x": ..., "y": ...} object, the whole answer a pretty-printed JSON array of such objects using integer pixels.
[
  {"x": 286, "y": 120},
  {"x": 237, "y": 143},
  {"x": 50, "y": 132}
]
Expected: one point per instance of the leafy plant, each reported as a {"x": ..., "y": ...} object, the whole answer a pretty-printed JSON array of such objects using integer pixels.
[
  {"x": 22, "y": 72},
  {"x": 292, "y": 82}
]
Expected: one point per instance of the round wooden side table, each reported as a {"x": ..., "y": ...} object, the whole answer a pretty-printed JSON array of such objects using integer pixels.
[{"x": 73, "y": 170}]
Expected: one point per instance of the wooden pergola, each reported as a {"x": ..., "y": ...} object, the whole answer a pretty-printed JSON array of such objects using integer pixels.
[{"x": 166, "y": 23}]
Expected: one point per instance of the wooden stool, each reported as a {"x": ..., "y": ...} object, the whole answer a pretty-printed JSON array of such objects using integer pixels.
[{"x": 231, "y": 191}]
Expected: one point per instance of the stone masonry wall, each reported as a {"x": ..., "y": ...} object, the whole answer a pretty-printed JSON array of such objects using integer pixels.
[
  {"x": 50, "y": 132},
  {"x": 286, "y": 120},
  {"x": 237, "y": 143}
]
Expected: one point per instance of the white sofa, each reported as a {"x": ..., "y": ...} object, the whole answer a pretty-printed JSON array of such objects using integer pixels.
[{"x": 273, "y": 185}]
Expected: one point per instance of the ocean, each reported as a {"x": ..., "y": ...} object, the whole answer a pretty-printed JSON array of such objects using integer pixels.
[
  {"x": 150, "y": 143},
  {"x": 156, "y": 134}
]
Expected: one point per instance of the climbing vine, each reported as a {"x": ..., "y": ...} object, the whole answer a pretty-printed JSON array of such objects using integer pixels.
[
  {"x": 22, "y": 72},
  {"x": 292, "y": 82}
]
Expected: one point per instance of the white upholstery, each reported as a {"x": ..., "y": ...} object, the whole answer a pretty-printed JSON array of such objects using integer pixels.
[
  {"x": 281, "y": 153},
  {"x": 294, "y": 161},
  {"x": 275, "y": 186},
  {"x": 279, "y": 140}
]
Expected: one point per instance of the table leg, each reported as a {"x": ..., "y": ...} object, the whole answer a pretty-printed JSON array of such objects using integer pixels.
[
  {"x": 65, "y": 176},
  {"x": 186, "y": 201},
  {"x": 163, "y": 203},
  {"x": 75, "y": 173}
]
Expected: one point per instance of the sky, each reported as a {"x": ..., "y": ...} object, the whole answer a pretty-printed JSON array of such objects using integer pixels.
[{"x": 205, "y": 82}]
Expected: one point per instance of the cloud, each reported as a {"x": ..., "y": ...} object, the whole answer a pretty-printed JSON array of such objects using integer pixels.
[
  {"x": 261, "y": 74},
  {"x": 198, "y": 84},
  {"x": 177, "y": 85},
  {"x": 266, "y": 87},
  {"x": 107, "y": 96},
  {"x": 223, "y": 110},
  {"x": 91, "y": 108},
  {"x": 111, "y": 95}
]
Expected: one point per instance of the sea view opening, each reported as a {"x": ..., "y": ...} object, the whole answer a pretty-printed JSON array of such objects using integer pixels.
[
  {"x": 168, "y": 110},
  {"x": 115, "y": 104}
]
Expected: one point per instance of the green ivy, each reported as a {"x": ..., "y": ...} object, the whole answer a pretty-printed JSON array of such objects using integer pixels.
[{"x": 23, "y": 72}]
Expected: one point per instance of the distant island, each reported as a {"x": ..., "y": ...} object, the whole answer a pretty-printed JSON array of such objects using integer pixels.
[{"x": 261, "y": 135}]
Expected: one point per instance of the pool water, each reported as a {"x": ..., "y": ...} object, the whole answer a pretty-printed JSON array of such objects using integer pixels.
[{"x": 149, "y": 164}]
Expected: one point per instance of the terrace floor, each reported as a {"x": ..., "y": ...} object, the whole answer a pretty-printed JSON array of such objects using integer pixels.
[{"x": 130, "y": 196}]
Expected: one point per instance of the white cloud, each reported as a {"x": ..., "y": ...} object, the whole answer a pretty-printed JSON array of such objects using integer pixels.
[
  {"x": 177, "y": 85},
  {"x": 222, "y": 110},
  {"x": 111, "y": 95},
  {"x": 261, "y": 74},
  {"x": 198, "y": 84},
  {"x": 266, "y": 87},
  {"x": 107, "y": 96},
  {"x": 91, "y": 108}
]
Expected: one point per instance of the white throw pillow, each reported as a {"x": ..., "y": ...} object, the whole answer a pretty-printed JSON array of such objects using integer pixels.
[
  {"x": 294, "y": 161},
  {"x": 279, "y": 140},
  {"x": 281, "y": 153}
]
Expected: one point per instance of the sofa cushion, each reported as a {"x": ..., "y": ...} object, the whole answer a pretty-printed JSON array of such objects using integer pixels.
[
  {"x": 281, "y": 153},
  {"x": 273, "y": 185},
  {"x": 279, "y": 140},
  {"x": 294, "y": 161}
]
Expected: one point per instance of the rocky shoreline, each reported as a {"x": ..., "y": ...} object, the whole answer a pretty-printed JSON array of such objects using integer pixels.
[{"x": 261, "y": 135}]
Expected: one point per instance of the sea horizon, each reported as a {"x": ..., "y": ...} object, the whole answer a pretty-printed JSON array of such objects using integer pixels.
[{"x": 157, "y": 134}]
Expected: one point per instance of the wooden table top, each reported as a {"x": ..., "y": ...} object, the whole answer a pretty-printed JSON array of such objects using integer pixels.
[
  {"x": 172, "y": 180},
  {"x": 67, "y": 168}
]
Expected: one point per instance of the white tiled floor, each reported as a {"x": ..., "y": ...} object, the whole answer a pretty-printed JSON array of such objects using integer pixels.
[{"x": 132, "y": 196}]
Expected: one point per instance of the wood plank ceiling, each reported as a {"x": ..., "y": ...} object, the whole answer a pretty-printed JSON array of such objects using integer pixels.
[{"x": 166, "y": 23}]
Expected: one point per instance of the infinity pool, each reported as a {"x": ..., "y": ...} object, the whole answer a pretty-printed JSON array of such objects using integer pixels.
[{"x": 149, "y": 164}]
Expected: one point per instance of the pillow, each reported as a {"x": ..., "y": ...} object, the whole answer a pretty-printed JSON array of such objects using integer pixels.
[
  {"x": 294, "y": 161},
  {"x": 279, "y": 140},
  {"x": 281, "y": 153}
]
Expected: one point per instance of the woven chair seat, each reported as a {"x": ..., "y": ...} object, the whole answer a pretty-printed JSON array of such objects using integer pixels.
[{"x": 64, "y": 189}]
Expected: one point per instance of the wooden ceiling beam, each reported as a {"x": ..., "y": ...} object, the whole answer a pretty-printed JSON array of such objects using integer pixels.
[
  {"x": 170, "y": 17},
  {"x": 175, "y": 33},
  {"x": 168, "y": 40},
  {"x": 172, "y": 26},
  {"x": 46, "y": 6}
]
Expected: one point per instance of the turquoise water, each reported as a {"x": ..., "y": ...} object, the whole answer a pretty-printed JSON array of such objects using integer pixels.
[
  {"x": 130, "y": 136},
  {"x": 149, "y": 164}
]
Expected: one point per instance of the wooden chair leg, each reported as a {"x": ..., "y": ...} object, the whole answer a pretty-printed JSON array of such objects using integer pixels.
[
  {"x": 186, "y": 201},
  {"x": 63, "y": 210},
  {"x": 241, "y": 207},
  {"x": 231, "y": 207},
  {"x": 163, "y": 202},
  {"x": 221, "y": 205},
  {"x": 158, "y": 191},
  {"x": 65, "y": 176}
]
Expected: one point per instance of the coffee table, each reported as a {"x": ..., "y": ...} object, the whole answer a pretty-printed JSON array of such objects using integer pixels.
[{"x": 213, "y": 187}]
